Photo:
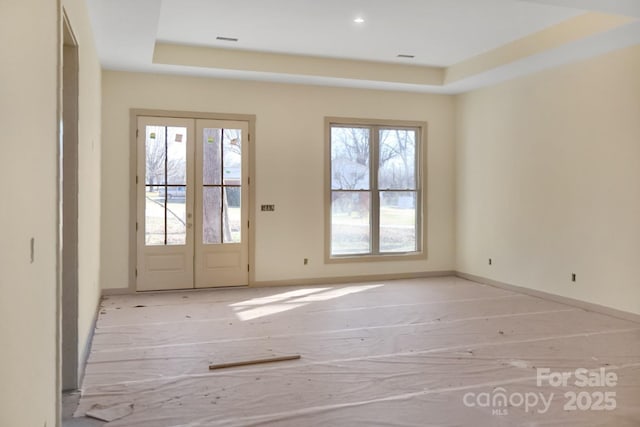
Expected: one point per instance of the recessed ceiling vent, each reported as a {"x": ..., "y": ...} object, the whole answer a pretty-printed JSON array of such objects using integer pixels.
[
  {"x": 402, "y": 55},
  {"x": 227, "y": 39}
]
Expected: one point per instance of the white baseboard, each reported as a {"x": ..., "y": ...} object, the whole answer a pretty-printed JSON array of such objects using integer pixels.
[
  {"x": 117, "y": 291},
  {"x": 351, "y": 279},
  {"x": 307, "y": 282},
  {"x": 597, "y": 308},
  {"x": 425, "y": 274},
  {"x": 86, "y": 351}
]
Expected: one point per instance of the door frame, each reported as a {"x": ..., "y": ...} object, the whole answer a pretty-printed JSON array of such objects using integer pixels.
[
  {"x": 68, "y": 199},
  {"x": 134, "y": 113}
]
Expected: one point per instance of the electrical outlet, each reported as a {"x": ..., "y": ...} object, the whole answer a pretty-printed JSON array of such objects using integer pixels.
[
  {"x": 306, "y": 261},
  {"x": 573, "y": 277},
  {"x": 490, "y": 262},
  {"x": 268, "y": 208}
]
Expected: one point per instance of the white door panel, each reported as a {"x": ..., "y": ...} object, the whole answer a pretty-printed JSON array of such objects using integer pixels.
[
  {"x": 165, "y": 203},
  {"x": 222, "y": 254}
]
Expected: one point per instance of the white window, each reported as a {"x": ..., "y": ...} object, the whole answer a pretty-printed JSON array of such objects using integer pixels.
[{"x": 374, "y": 191}]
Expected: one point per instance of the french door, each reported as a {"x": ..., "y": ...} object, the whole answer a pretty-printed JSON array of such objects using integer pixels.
[{"x": 192, "y": 203}]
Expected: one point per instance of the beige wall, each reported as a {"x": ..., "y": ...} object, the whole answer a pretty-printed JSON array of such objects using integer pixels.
[
  {"x": 29, "y": 111},
  {"x": 548, "y": 181},
  {"x": 289, "y": 166},
  {"x": 28, "y": 105},
  {"x": 89, "y": 165}
]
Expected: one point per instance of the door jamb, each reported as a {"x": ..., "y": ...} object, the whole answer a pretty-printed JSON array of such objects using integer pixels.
[
  {"x": 68, "y": 199},
  {"x": 134, "y": 113}
]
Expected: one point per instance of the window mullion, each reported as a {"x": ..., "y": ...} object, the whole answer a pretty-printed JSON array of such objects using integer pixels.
[
  {"x": 222, "y": 188},
  {"x": 166, "y": 181},
  {"x": 375, "y": 194},
  {"x": 418, "y": 188}
]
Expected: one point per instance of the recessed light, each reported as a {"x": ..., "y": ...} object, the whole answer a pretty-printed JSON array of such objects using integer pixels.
[
  {"x": 402, "y": 55},
  {"x": 359, "y": 20},
  {"x": 227, "y": 39}
]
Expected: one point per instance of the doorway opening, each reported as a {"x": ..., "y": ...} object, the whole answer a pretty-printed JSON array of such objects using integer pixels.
[{"x": 68, "y": 199}]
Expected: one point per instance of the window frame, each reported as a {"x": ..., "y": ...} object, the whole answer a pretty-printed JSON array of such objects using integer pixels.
[{"x": 375, "y": 126}]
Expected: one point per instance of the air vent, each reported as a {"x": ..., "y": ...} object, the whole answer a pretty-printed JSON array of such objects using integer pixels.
[
  {"x": 402, "y": 55},
  {"x": 227, "y": 39}
]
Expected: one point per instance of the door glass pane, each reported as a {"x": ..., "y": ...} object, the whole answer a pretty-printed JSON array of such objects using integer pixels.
[
  {"x": 232, "y": 151},
  {"x": 212, "y": 159},
  {"x": 154, "y": 217},
  {"x": 156, "y": 153},
  {"x": 397, "y": 169},
  {"x": 176, "y": 156},
  {"x": 212, "y": 210},
  {"x": 176, "y": 213},
  {"x": 232, "y": 217},
  {"x": 350, "y": 222},
  {"x": 350, "y": 158},
  {"x": 165, "y": 215},
  {"x": 165, "y": 185},
  {"x": 398, "y": 221},
  {"x": 222, "y": 181}
]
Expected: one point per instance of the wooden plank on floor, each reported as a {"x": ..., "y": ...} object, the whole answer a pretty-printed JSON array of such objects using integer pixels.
[{"x": 254, "y": 362}]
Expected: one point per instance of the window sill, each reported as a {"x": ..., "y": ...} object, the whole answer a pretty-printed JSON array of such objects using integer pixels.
[{"x": 343, "y": 259}]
